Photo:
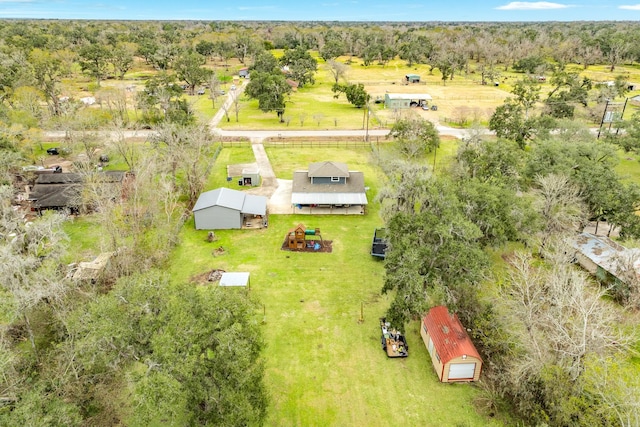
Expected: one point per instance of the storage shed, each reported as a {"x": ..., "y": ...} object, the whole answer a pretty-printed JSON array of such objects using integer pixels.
[
  {"x": 412, "y": 78},
  {"x": 225, "y": 208},
  {"x": 251, "y": 177},
  {"x": 239, "y": 279},
  {"x": 453, "y": 355}
]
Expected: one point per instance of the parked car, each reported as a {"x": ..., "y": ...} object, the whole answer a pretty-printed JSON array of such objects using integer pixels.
[
  {"x": 53, "y": 151},
  {"x": 425, "y": 107},
  {"x": 219, "y": 92},
  {"x": 200, "y": 91},
  {"x": 233, "y": 87}
]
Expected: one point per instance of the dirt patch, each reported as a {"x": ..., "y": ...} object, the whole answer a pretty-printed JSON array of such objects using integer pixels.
[
  {"x": 208, "y": 277},
  {"x": 218, "y": 251},
  {"x": 326, "y": 246}
]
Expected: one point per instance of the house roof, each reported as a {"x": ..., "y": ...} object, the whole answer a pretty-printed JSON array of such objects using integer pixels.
[
  {"x": 328, "y": 169},
  {"x": 56, "y": 190},
  {"x": 450, "y": 339},
  {"x": 232, "y": 199},
  {"x": 606, "y": 253},
  {"x": 412, "y": 75},
  {"x": 408, "y": 96},
  {"x": 351, "y": 193}
]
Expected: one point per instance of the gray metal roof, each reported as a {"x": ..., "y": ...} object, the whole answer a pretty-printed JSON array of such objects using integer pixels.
[
  {"x": 232, "y": 199},
  {"x": 606, "y": 253},
  {"x": 303, "y": 192},
  {"x": 225, "y": 197},
  {"x": 328, "y": 169},
  {"x": 235, "y": 279},
  {"x": 329, "y": 199},
  {"x": 254, "y": 205}
]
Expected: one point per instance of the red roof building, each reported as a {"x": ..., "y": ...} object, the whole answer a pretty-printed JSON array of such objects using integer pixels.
[{"x": 453, "y": 355}]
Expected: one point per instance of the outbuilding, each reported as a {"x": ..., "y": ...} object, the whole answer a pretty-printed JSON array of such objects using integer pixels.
[
  {"x": 235, "y": 279},
  {"x": 225, "y": 208},
  {"x": 412, "y": 78},
  {"x": 453, "y": 355},
  {"x": 400, "y": 101},
  {"x": 611, "y": 263},
  {"x": 251, "y": 177}
]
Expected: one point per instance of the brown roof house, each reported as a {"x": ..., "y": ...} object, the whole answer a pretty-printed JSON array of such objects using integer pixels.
[
  {"x": 64, "y": 190},
  {"x": 453, "y": 355},
  {"x": 328, "y": 187}
]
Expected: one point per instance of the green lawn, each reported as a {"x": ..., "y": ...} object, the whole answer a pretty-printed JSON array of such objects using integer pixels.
[{"x": 324, "y": 368}]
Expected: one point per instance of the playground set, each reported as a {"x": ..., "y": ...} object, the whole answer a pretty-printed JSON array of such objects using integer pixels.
[{"x": 302, "y": 239}]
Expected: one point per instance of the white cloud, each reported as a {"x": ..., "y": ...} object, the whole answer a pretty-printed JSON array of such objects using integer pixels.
[
  {"x": 630, "y": 7},
  {"x": 525, "y": 5}
]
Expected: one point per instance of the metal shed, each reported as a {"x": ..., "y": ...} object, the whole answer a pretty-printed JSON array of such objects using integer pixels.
[
  {"x": 453, "y": 355},
  {"x": 225, "y": 208},
  {"x": 239, "y": 279},
  {"x": 251, "y": 177},
  {"x": 412, "y": 78}
]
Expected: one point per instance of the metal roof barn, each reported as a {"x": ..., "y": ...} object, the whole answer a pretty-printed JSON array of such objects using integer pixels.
[{"x": 224, "y": 208}]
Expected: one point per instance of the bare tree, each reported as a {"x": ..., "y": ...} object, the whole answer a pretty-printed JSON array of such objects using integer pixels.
[
  {"x": 127, "y": 148},
  {"x": 214, "y": 87},
  {"x": 560, "y": 205},
  {"x": 338, "y": 70},
  {"x": 318, "y": 118},
  {"x": 235, "y": 104},
  {"x": 559, "y": 314}
]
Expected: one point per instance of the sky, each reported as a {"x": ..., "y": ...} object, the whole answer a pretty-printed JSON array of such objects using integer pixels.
[{"x": 326, "y": 10}]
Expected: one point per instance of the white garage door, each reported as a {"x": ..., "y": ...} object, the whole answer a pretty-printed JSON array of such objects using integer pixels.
[{"x": 462, "y": 371}]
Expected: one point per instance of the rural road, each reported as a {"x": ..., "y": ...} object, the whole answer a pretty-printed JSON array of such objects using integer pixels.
[{"x": 259, "y": 135}]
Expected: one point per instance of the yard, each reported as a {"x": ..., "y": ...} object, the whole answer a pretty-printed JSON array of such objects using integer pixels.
[{"x": 324, "y": 367}]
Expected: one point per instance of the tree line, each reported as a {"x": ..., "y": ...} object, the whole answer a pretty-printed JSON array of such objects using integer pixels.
[{"x": 555, "y": 343}]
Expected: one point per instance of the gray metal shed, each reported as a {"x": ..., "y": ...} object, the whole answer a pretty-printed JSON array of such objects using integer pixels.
[
  {"x": 224, "y": 208},
  {"x": 251, "y": 177}
]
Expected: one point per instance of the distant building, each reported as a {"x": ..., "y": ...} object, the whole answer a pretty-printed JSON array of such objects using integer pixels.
[
  {"x": 405, "y": 100},
  {"x": 412, "y": 78}
]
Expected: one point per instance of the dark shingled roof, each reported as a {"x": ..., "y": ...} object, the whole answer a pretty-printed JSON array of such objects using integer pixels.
[
  {"x": 60, "y": 190},
  {"x": 328, "y": 170}
]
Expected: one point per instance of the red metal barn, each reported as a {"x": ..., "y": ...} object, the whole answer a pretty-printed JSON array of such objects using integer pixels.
[{"x": 453, "y": 355}]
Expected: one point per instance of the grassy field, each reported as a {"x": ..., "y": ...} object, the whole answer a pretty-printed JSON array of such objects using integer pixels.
[{"x": 324, "y": 367}]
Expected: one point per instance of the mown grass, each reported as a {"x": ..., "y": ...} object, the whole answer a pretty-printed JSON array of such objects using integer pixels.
[{"x": 324, "y": 367}]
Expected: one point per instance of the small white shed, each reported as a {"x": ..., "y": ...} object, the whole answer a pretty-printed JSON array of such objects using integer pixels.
[{"x": 238, "y": 279}]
